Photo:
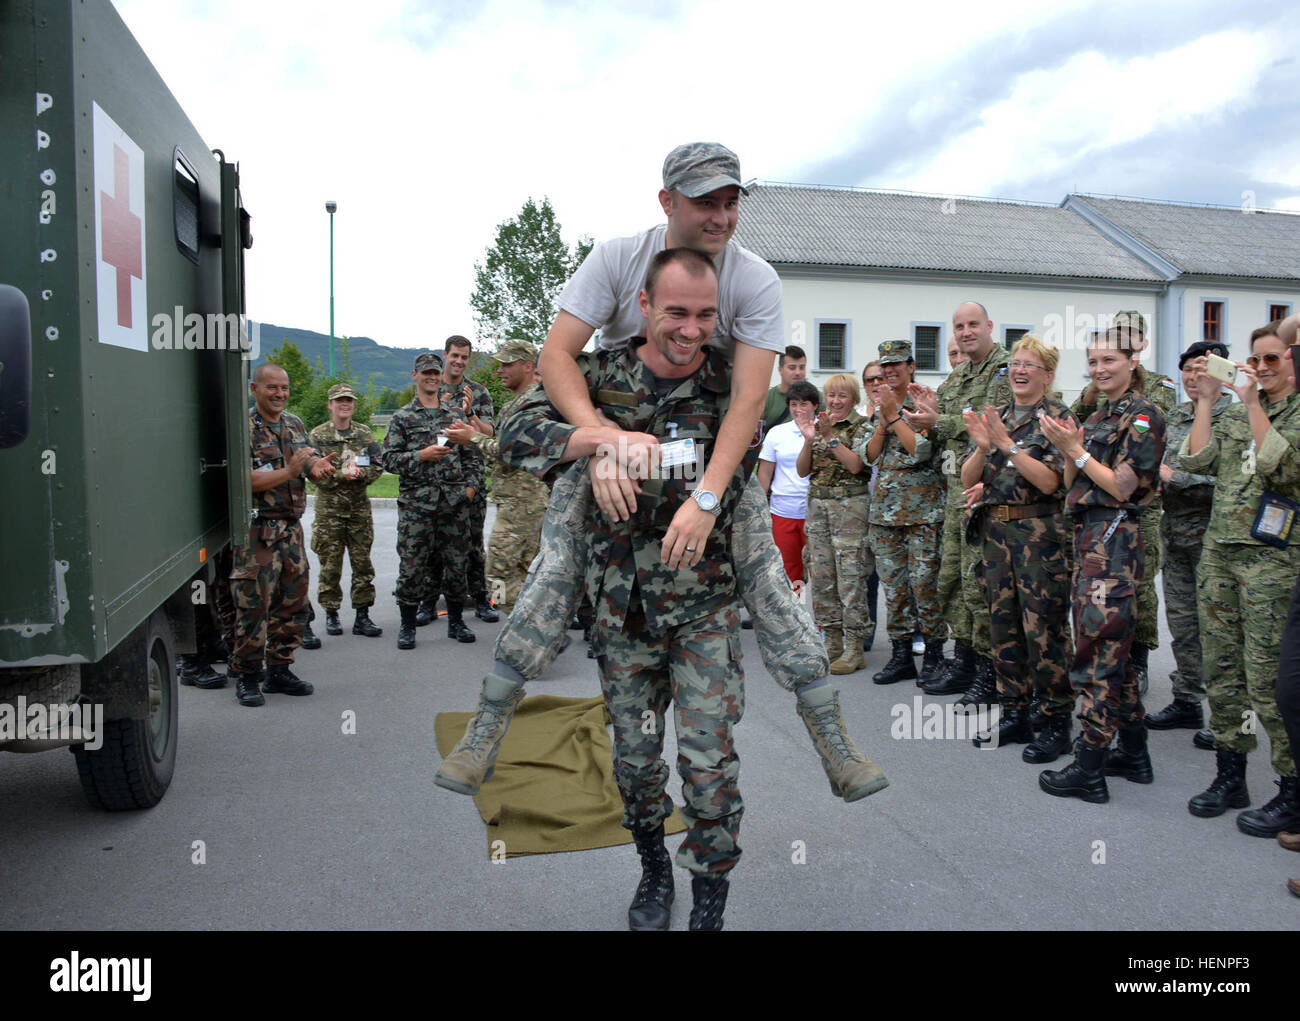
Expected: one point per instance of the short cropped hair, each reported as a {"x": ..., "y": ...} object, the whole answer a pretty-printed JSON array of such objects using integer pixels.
[
  {"x": 791, "y": 352},
  {"x": 456, "y": 340},
  {"x": 803, "y": 391},
  {"x": 844, "y": 381},
  {"x": 696, "y": 264}
]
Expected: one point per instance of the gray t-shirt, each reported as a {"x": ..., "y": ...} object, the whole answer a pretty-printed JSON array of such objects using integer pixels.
[{"x": 603, "y": 293}]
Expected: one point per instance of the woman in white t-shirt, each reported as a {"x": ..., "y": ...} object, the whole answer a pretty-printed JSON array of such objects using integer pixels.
[{"x": 786, "y": 490}]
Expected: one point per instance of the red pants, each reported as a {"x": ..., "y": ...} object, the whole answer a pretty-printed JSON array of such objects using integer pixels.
[{"x": 790, "y": 540}]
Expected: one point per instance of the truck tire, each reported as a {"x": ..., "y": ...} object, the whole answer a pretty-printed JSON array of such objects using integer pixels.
[{"x": 133, "y": 767}]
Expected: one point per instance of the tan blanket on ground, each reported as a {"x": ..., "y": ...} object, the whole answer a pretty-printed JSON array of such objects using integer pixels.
[{"x": 553, "y": 789}]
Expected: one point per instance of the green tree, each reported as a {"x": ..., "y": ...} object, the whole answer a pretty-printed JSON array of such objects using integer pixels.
[
  {"x": 289, "y": 358},
  {"x": 515, "y": 288},
  {"x": 312, "y": 404}
]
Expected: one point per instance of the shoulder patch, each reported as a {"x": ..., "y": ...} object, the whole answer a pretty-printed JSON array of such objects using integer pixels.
[
  {"x": 1169, "y": 383},
  {"x": 1142, "y": 423}
]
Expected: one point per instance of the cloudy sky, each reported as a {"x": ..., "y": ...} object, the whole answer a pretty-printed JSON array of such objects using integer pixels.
[{"x": 431, "y": 123}]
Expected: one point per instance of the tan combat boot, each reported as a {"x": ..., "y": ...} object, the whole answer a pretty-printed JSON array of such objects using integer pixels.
[
  {"x": 851, "y": 659},
  {"x": 852, "y": 774},
  {"x": 473, "y": 760},
  {"x": 834, "y": 643}
]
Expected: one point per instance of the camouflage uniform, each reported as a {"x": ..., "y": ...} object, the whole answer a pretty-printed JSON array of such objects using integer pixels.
[
  {"x": 1026, "y": 571},
  {"x": 1243, "y": 585},
  {"x": 1161, "y": 391},
  {"x": 839, "y": 505},
  {"x": 660, "y": 634},
  {"x": 906, "y": 524},
  {"x": 270, "y": 579},
  {"x": 433, "y": 524},
  {"x": 343, "y": 520},
  {"x": 1187, "y": 500},
  {"x": 521, "y": 504},
  {"x": 476, "y": 579},
  {"x": 1129, "y": 438},
  {"x": 970, "y": 386}
]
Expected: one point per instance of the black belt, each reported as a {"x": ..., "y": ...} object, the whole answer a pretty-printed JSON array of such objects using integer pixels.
[{"x": 1095, "y": 514}]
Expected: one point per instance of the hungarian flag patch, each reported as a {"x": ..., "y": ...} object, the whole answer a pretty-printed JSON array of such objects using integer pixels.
[{"x": 1142, "y": 423}]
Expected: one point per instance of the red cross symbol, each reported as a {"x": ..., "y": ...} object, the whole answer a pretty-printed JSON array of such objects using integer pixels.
[{"x": 121, "y": 235}]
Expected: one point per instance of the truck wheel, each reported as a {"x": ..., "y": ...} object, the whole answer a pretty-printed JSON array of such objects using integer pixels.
[{"x": 134, "y": 765}]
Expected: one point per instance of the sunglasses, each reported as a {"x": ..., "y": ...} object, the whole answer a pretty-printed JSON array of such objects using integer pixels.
[{"x": 1270, "y": 359}]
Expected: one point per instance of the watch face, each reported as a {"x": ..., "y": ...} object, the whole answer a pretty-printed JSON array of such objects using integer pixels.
[{"x": 705, "y": 499}]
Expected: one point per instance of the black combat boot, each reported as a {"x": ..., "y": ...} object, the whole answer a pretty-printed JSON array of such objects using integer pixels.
[
  {"x": 248, "y": 689},
  {"x": 984, "y": 689},
  {"x": 1013, "y": 728},
  {"x": 1204, "y": 740},
  {"x": 710, "y": 896},
  {"x": 1130, "y": 758},
  {"x": 1139, "y": 654},
  {"x": 901, "y": 667},
  {"x": 425, "y": 615},
  {"x": 1082, "y": 778},
  {"x": 406, "y": 633},
  {"x": 932, "y": 666},
  {"x": 456, "y": 623},
  {"x": 332, "y": 625},
  {"x": 309, "y": 639},
  {"x": 1037, "y": 718},
  {"x": 1177, "y": 715},
  {"x": 650, "y": 909},
  {"x": 1282, "y": 813},
  {"x": 958, "y": 677},
  {"x": 197, "y": 674},
  {"x": 484, "y": 610},
  {"x": 1052, "y": 743},
  {"x": 364, "y": 626},
  {"x": 280, "y": 680},
  {"x": 1227, "y": 789}
]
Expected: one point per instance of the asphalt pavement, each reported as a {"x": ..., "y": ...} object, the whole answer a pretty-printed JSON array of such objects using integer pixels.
[{"x": 278, "y": 819}]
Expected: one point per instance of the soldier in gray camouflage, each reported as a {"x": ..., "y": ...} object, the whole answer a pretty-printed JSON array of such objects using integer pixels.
[
  {"x": 906, "y": 514},
  {"x": 520, "y": 498},
  {"x": 343, "y": 521},
  {"x": 1187, "y": 500}
]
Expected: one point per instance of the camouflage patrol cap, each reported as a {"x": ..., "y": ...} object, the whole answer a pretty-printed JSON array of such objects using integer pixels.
[
  {"x": 515, "y": 351},
  {"x": 697, "y": 168},
  {"x": 1130, "y": 321},
  {"x": 427, "y": 361},
  {"x": 894, "y": 351},
  {"x": 341, "y": 390}
]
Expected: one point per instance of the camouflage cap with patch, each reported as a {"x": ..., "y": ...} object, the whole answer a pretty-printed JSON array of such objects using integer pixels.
[
  {"x": 698, "y": 168},
  {"x": 427, "y": 361},
  {"x": 515, "y": 350},
  {"x": 894, "y": 351},
  {"x": 1130, "y": 320},
  {"x": 341, "y": 390}
]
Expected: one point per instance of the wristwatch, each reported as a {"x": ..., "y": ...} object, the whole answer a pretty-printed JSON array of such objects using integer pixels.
[
  {"x": 833, "y": 442},
  {"x": 1013, "y": 450},
  {"x": 707, "y": 501},
  {"x": 1079, "y": 462}
]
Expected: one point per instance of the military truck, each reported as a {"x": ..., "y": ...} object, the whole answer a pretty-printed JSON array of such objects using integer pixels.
[{"x": 123, "y": 393}]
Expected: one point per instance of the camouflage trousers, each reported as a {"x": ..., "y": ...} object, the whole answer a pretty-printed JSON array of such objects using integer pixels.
[
  {"x": 476, "y": 567},
  {"x": 791, "y": 648},
  {"x": 332, "y": 534},
  {"x": 1027, "y": 578},
  {"x": 696, "y": 667},
  {"x": 270, "y": 583},
  {"x": 1183, "y": 537},
  {"x": 1243, "y": 592},
  {"x": 836, "y": 529},
  {"x": 1105, "y": 614},
  {"x": 432, "y": 553},
  {"x": 952, "y": 601},
  {"x": 222, "y": 602},
  {"x": 512, "y": 546},
  {"x": 1148, "y": 600},
  {"x": 907, "y": 560}
]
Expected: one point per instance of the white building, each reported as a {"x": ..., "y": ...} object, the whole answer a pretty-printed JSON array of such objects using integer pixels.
[{"x": 859, "y": 267}]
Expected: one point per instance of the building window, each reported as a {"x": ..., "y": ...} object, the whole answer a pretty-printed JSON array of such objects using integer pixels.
[
  {"x": 1276, "y": 312},
  {"x": 1212, "y": 320},
  {"x": 925, "y": 346},
  {"x": 832, "y": 345},
  {"x": 1011, "y": 335}
]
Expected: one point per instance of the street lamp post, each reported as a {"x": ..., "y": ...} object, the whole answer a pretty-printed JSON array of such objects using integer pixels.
[{"x": 329, "y": 208}]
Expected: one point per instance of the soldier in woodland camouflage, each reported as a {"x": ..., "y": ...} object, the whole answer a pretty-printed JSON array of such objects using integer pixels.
[
  {"x": 270, "y": 576},
  {"x": 1244, "y": 580},
  {"x": 520, "y": 498},
  {"x": 1026, "y": 572},
  {"x": 1187, "y": 499},
  {"x": 343, "y": 520},
  {"x": 1112, "y": 472}
]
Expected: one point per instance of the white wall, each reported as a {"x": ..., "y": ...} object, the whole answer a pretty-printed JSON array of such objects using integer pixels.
[{"x": 1244, "y": 310}]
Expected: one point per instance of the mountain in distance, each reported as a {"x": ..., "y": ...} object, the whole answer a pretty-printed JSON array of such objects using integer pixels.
[{"x": 391, "y": 366}]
